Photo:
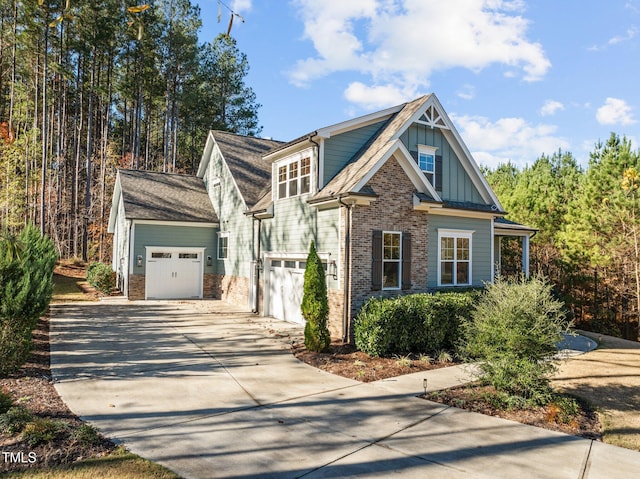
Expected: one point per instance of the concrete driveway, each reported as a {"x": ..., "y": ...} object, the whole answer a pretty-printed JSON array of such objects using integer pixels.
[{"x": 209, "y": 391}]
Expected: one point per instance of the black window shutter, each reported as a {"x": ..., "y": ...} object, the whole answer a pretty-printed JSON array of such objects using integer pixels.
[
  {"x": 406, "y": 260},
  {"x": 438, "y": 184},
  {"x": 376, "y": 261}
]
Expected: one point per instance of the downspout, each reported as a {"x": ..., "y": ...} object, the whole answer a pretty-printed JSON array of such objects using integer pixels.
[
  {"x": 346, "y": 305},
  {"x": 256, "y": 301},
  {"x": 311, "y": 140}
]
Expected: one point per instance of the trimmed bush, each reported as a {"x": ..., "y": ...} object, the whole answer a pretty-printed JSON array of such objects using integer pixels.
[
  {"x": 26, "y": 286},
  {"x": 417, "y": 323},
  {"x": 100, "y": 276},
  {"x": 513, "y": 334},
  {"x": 315, "y": 304}
]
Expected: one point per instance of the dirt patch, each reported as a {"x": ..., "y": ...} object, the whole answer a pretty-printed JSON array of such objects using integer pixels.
[
  {"x": 609, "y": 379},
  {"x": 346, "y": 361}
]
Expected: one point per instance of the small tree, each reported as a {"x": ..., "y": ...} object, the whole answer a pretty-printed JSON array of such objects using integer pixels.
[
  {"x": 315, "y": 304},
  {"x": 513, "y": 333}
]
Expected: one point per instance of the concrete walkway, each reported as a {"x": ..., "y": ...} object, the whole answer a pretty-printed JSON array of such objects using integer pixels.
[{"x": 212, "y": 392}]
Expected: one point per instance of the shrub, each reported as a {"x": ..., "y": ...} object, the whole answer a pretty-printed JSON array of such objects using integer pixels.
[
  {"x": 100, "y": 276},
  {"x": 417, "y": 323},
  {"x": 15, "y": 419},
  {"x": 315, "y": 304},
  {"x": 43, "y": 430},
  {"x": 26, "y": 286},
  {"x": 86, "y": 435},
  {"x": 513, "y": 333},
  {"x": 6, "y": 402}
]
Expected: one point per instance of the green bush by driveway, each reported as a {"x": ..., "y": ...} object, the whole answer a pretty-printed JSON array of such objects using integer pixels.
[{"x": 417, "y": 323}]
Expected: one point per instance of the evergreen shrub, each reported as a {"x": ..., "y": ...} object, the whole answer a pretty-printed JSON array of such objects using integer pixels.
[
  {"x": 26, "y": 286},
  {"x": 417, "y": 323},
  {"x": 315, "y": 304},
  {"x": 100, "y": 276},
  {"x": 513, "y": 333}
]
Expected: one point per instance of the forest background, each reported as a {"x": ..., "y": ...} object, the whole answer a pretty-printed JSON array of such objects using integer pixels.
[{"x": 89, "y": 87}]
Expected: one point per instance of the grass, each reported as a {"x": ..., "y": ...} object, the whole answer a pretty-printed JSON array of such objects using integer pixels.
[
  {"x": 119, "y": 465},
  {"x": 608, "y": 380},
  {"x": 67, "y": 288}
]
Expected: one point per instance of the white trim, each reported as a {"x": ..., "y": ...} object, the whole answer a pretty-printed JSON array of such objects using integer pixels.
[
  {"x": 286, "y": 162},
  {"x": 175, "y": 223},
  {"x": 358, "y": 122},
  {"x": 452, "y": 233},
  {"x": 493, "y": 250},
  {"x": 398, "y": 261},
  {"x": 485, "y": 215},
  {"x": 320, "y": 163}
]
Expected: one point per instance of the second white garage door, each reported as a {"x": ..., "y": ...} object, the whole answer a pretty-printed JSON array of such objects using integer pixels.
[
  {"x": 286, "y": 285},
  {"x": 174, "y": 273}
]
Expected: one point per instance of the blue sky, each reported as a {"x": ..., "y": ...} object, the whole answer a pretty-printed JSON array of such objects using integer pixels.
[{"x": 519, "y": 78}]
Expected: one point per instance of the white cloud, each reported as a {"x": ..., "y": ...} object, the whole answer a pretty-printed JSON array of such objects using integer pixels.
[
  {"x": 551, "y": 107},
  {"x": 399, "y": 44},
  {"x": 508, "y": 139},
  {"x": 240, "y": 6},
  {"x": 629, "y": 35},
  {"x": 373, "y": 97},
  {"x": 615, "y": 112},
  {"x": 467, "y": 92}
]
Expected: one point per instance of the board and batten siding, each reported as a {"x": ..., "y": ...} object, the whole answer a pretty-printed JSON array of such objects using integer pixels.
[
  {"x": 121, "y": 232},
  {"x": 340, "y": 149},
  {"x": 174, "y": 237},
  {"x": 230, "y": 208},
  {"x": 296, "y": 224},
  {"x": 456, "y": 183},
  {"x": 481, "y": 246}
]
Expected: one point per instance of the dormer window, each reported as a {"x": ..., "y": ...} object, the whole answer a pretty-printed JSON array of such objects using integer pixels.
[
  {"x": 294, "y": 178},
  {"x": 427, "y": 162}
]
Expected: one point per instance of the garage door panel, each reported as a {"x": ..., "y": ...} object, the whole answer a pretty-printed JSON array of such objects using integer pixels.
[
  {"x": 286, "y": 286},
  {"x": 174, "y": 274}
]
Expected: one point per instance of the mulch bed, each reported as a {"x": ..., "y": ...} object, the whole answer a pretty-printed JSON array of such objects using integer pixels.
[
  {"x": 32, "y": 387},
  {"x": 471, "y": 397},
  {"x": 346, "y": 361}
]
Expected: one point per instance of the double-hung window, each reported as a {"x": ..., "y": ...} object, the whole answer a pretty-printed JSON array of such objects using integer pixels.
[
  {"x": 454, "y": 258},
  {"x": 391, "y": 259},
  {"x": 223, "y": 245},
  {"x": 294, "y": 178},
  {"x": 427, "y": 162}
]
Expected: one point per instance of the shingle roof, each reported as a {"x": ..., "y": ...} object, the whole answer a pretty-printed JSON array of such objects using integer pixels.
[
  {"x": 243, "y": 155},
  {"x": 346, "y": 180},
  {"x": 148, "y": 195}
]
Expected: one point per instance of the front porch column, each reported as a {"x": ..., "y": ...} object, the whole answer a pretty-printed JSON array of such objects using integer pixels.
[{"x": 525, "y": 256}]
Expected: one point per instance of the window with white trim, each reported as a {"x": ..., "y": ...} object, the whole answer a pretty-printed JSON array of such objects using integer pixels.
[
  {"x": 223, "y": 245},
  {"x": 454, "y": 258},
  {"x": 427, "y": 162},
  {"x": 391, "y": 259},
  {"x": 294, "y": 178}
]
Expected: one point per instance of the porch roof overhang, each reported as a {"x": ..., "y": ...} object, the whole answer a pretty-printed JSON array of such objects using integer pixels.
[{"x": 505, "y": 227}]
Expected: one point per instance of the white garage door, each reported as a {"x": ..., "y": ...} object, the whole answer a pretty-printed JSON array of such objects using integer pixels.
[
  {"x": 174, "y": 273},
  {"x": 286, "y": 283}
]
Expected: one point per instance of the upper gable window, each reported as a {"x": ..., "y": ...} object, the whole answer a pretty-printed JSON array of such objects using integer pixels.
[
  {"x": 427, "y": 162},
  {"x": 294, "y": 178}
]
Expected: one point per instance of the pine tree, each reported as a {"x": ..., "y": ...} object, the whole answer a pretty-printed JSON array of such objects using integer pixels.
[{"x": 315, "y": 304}]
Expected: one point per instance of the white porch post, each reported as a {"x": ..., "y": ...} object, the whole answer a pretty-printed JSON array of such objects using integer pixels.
[{"x": 525, "y": 256}]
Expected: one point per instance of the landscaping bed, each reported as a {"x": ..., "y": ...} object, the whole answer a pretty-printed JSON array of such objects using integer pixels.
[{"x": 346, "y": 361}]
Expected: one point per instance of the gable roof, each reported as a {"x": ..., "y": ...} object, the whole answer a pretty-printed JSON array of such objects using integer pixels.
[
  {"x": 243, "y": 156},
  {"x": 375, "y": 152},
  {"x": 148, "y": 195},
  {"x": 386, "y": 142}
]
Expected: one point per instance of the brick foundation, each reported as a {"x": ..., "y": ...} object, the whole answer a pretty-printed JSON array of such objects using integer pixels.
[{"x": 136, "y": 286}]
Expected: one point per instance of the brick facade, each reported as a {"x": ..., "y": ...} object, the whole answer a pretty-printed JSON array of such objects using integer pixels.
[
  {"x": 391, "y": 211},
  {"x": 233, "y": 289}
]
